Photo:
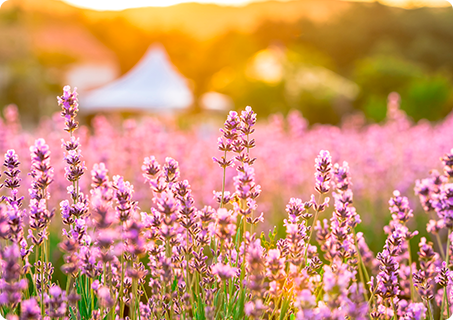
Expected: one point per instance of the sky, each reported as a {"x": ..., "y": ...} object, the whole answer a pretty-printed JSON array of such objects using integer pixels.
[{"x": 122, "y": 4}]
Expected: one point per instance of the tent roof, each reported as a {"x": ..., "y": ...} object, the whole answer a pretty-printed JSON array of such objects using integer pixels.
[{"x": 153, "y": 84}]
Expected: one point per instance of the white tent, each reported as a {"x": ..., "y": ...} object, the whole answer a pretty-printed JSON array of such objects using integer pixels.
[{"x": 152, "y": 85}]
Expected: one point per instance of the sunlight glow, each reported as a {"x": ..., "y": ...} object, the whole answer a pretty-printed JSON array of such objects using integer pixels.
[
  {"x": 118, "y": 5},
  {"x": 121, "y": 4}
]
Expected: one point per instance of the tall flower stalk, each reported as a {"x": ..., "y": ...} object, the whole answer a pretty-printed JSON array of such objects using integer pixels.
[
  {"x": 74, "y": 212},
  {"x": 40, "y": 216}
]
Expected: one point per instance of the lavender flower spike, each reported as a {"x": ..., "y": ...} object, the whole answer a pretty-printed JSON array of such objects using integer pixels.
[
  {"x": 323, "y": 167},
  {"x": 12, "y": 180},
  {"x": 30, "y": 310},
  {"x": 70, "y": 108}
]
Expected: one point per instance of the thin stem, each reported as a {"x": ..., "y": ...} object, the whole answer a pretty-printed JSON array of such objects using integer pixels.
[
  {"x": 394, "y": 309},
  {"x": 188, "y": 286},
  {"x": 42, "y": 282},
  {"x": 134, "y": 303},
  {"x": 311, "y": 231},
  {"x": 241, "y": 284},
  {"x": 410, "y": 268},
  {"x": 441, "y": 247},
  {"x": 105, "y": 283},
  {"x": 361, "y": 277},
  {"x": 430, "y": 310},
  {"x": 447, "y": 260},
  {"x": 225, "y": 304},
  {"x": 223, "y": 183},
  {"x": 36, "y": 278},
  {"x": 372, "y": 297},
  {"x": 443, "y": 303},
  {"x": 448, "y": 308},
  {"x": 92, "y": 294},
  {"x": 122, "y": 287}
]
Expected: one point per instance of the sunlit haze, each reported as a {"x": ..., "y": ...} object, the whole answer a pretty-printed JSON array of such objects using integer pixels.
[{"x": 121, "y": 4}]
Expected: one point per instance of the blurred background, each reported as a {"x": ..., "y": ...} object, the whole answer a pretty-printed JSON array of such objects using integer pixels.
[
  {"x": 326, "y": 74},
  {"x": 326, "y": 58}
]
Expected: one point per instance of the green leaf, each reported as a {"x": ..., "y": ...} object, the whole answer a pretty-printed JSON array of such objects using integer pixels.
[
  {"x": 239, "y": 314},
  {"x": 30, "y": 287},
  {"x": 73, "y": 316},
  {"x": 272, "y": 234},
  {"x": 174, "y": 284},
  {"x": 200, "y": 309},
  {"x": 284, "y": 309}
]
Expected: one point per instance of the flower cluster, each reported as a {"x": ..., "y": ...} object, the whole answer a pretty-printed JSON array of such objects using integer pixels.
[{"x": 172, "y": 257}]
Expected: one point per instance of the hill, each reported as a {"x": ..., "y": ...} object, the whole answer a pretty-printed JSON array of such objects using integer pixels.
[{"x": 208, "y": 20}]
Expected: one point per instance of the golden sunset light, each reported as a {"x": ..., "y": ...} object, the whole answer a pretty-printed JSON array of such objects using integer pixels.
[{"x": 121, "y": 5}]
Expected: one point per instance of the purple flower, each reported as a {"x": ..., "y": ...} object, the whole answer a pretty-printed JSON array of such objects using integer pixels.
[
  {"x": 223, "y": 272},
  {"x": 255, "y": 269},
  {"x": 399, "y": 207},
  {"x": 105, "y": 299},
  {"x": 248, "y": 120},
  {"x": 443, "y": 204},
  {"x": 170, "y": 170},
  {"x": 424, "y": 278},
  {"x": 76, "y": 167},
  {"x": 297, "y": 208},
  {"x": 246, "y": 187},
  {"x": 323, "y": 167},
  {"x": 387, "y": 279},
  {"x": 254, "y": 309},
  {"x": 30, "y": 310},
  {"x": 443, "y": 277},
  {"x": 123, "y": 195},
  {"x": 99, "y": 175},
  {"x": 150, "y": 168},
  {"x": 447, "y": 161},
  {"x": 12, "y": 180},
  {"x": 70, "y": 108},
  {"x": 11, "y": 284},
  {"x": 40, "y": 217},
  {"x": 41, "y": 171},
  {"x": 15, "y": 218},
  {"x": 232, "y": 125},
  {"x": 275, "y": 265},
  {"x": 225, "y": 224},
  {"x": 341, "y": 176},
  {"x": 56, "y": 302}
]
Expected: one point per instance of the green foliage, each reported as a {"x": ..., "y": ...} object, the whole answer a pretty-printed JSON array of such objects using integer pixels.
[
  {"x": 428, "y": 98},
  {"x": 424, "y": 94}
]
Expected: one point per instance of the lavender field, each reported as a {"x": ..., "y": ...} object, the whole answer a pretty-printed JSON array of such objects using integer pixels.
[{"x": 267, "y": 219}]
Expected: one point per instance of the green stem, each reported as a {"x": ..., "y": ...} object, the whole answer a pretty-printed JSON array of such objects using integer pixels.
[
  {"x": 311, "y": 232},
  {"x": 410, "y": 268},
  {"x": 447, "y": 260},
  {"x": 394, "y": 309},
  {"x": 225, "y": 304},
  {"x": 122, "y": 287},
  {"x": 441, "y": 247},
  {"x": 430, "y": 310},
  {"x": 42, "y": 282},
  {"x": 188, "y": 286},
  {"x": 92, "y": 294},
  {"x": 223, "y": 183},
  {"x": 104, "y": 283},
  {"x": 361, "y": 266},
  {"x": 134, "y": 303},
  {"x": 443, "y": 303},
  {"x": 45, "y": 243},
  {"x": 362, "y": 278}
]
